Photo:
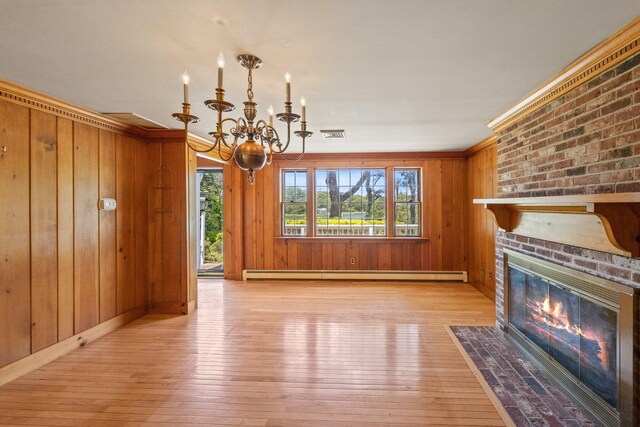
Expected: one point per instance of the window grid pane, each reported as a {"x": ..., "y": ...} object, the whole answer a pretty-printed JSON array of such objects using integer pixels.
[
  {"x": 407, "y": 202},
  {"x": 350, "y": 202},
  {"x": 294, "y": 202}
]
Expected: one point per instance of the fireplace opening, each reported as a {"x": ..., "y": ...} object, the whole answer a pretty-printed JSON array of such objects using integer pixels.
[
  {"x": 577, "y": 328},
  {"x": 579, "y": 334}
]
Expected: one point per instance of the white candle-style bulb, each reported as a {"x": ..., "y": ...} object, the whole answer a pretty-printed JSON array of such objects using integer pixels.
[
  {"x": 303, "y": 102},
  {"x": 185, "y": 81},
  {"x": 270, "y": 110},
  {"x": 220, "y": 68},
  {"x": 304, "y": 109},
  {"x": 271, "y": 115},
  {"x": 287, "y": 78}
]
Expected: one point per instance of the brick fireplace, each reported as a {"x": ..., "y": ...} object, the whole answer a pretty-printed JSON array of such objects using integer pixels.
[{"x": 585, "y": 142}]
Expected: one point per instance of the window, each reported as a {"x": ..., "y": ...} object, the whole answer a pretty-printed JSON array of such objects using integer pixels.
[
  {"x": 294, "y": 202},
  {"x": 406, "y": 185},
  {"x": 350, "y": 202}
]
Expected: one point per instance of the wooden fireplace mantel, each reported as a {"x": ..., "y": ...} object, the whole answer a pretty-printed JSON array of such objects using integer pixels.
[{"x": 603, "y": 222}]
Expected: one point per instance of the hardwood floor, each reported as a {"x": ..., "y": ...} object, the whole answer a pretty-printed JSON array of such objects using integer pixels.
[{"x": 273, "y": 354}]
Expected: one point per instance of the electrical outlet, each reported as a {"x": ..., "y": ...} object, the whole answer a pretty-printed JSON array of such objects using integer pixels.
[{"x": 353, "y": 260}]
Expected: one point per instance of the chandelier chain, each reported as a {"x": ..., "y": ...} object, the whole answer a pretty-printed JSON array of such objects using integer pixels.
[{"x": 250, "y": 86}]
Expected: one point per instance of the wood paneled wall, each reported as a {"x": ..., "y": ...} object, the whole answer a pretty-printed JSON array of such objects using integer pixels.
[
  {"x": 65, "y": 266},
  {"x": 173, "y": 216},
  {"x": 482, "y": 183},
  {"x": 253, "y": 238}
]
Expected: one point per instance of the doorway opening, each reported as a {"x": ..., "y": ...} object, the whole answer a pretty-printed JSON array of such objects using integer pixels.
[{"x": 209, "y": 194}]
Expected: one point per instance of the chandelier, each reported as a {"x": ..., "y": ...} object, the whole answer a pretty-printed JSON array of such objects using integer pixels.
[{"x": 254, "y": 143}]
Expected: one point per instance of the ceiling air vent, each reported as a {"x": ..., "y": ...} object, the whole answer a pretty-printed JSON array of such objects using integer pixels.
[{"x": 333, "y": 133}]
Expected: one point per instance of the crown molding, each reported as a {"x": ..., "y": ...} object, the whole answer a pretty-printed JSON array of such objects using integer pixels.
[
  {"x": 20, "y": 95},
  {"x": 422, "y": 155},
  {"x": 30, "y": 98},
  {"x": 607, "y": 54}
]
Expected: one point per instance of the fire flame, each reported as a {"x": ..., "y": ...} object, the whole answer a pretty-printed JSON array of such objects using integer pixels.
[{"x": 557, "y": 318}]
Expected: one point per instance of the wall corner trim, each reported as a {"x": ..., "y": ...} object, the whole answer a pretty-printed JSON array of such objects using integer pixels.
[{"x": 485, "y": 143}]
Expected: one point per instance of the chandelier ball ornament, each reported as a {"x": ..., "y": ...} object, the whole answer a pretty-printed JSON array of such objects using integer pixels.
[
  {"x": 250, "y": 143},
  {"x": 250, "y": 157}
]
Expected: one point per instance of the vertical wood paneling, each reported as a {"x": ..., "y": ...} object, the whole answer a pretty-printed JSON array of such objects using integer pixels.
[
  {"x": 57, "y": 250},
  {"x": 459, "y": 206},
  {"x": 250, "y": 218},
  {"x": 15, "y": 339},
  {"x": 353, "y": 251},
  {"x": 316, "y": 256},
  {"x": 327, "y": 256},
  {"x": 233, "y": 222},
  {"x": 269, "y": 217},
  {"x": 107, "y": 188},
  {"x": 260, "y": 220},
  {"x": 173, "y": 288},
  {"x": 193, "y": 208},
  {"x": 86, "y": 244},
  {"x": 444, "y": 223},
  {"x": 384, "y": 256},
  {"x": 433, "y": 210},
  {"x": 292, "y": 255},
  {"x": 372, "y": 255},
  {"x": 141, "y": 226},
  {"x": 446, "y": 215},
  {"x": 304, "y": 256},
  {"x": 364, "y": 258},
  {"x": 65, "y": 228},
  {"x": 396, "y": 257},
  {"x": 339, "y": 257},
  {"x": 44, "y": 256},
  {"x": 482, "y": 184},
  {"x": 125, "y": 190},
  {"x": 281, "y": 254},
  {"x": 155, "y": 218}
]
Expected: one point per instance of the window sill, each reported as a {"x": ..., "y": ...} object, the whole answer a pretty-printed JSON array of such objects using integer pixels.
[{"x": 346, "y": 239}]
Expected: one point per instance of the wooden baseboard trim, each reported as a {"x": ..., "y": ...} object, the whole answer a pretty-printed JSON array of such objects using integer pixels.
[
  {"x": 192, "y": 306},
  {"x": 34, "y": 361},
  {"x": 422, "y": 276},
  {"x": 483, "y": 383},
  {"x": 170, "y": 308}
]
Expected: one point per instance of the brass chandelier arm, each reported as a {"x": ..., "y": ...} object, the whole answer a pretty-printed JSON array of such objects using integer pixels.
[
  {"x": 221, "y": 135},
  {"x": 278, "y": 143},
  {"x": 284, "y": 156}
]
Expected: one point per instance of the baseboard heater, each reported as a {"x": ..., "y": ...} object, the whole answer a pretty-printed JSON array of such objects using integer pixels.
[{"x": 421, "y": 276}]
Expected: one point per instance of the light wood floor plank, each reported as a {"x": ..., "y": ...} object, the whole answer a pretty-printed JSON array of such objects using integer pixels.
[{"x": 273, "y": 354}]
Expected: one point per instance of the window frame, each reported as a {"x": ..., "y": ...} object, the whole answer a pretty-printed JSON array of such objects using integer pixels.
[
  {"x": 386, "y": 234},
  {"x": 283, "y": 203},
  {"x": 419, "y": 201},
  {"x": 390, "y": 203}
]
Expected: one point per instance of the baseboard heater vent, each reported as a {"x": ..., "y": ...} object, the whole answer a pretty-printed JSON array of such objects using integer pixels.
[{"x": 421, "y": 276}]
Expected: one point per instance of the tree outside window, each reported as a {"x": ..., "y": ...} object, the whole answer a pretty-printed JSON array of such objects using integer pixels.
[{"x": 350, "y": 202}]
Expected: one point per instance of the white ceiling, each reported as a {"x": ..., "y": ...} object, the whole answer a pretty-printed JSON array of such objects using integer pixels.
[{"x": 412, "y": 75}]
